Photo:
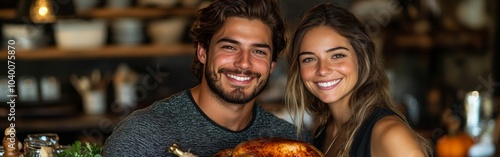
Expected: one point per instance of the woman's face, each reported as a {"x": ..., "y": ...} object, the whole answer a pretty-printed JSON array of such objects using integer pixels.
[{"x": 328, "y": 65}]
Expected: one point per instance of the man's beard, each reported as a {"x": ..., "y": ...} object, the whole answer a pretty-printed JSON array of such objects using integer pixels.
[{"x": 238, "y": 95}]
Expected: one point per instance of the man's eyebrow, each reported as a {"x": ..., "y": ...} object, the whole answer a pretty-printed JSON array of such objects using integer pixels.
[
  {"x": 232, "y": 41},
  {"x": 228, "y": 40},
  {"x": 262, "y": 45}
]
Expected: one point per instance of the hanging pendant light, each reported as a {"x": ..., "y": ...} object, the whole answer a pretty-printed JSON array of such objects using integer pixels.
[{"x": 41, "y": 11}]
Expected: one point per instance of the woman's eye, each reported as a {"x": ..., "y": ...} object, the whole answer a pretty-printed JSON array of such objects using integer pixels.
[
  {"x": 338, "y": 56},
  {"x": 306, "y": 60}
]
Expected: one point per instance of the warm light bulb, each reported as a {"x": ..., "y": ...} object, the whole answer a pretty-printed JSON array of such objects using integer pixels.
[{"x": 43, "y": 11}]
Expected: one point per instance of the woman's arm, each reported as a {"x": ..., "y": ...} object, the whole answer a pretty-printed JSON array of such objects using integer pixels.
[{"x": 392, "y": 137}]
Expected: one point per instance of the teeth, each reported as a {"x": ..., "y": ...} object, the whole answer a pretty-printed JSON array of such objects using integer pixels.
[
  {"x": 336, "y": 81},
  {"x": 328, "y": 84},
  {"x": 239, "y": 78}
]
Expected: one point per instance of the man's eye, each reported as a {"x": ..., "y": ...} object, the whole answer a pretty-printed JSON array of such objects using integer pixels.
[
  {"x": 228, "y": 47},
  {"x": 260, "y": 52}
]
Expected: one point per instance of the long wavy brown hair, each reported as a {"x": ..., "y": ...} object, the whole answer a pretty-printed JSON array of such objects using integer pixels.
[
  {"x": 210, "y": 20},
  {"x": 372, "y": 89}
]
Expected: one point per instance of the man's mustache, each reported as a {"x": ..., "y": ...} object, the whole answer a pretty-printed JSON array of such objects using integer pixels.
[{"x": 239, "y": 71}]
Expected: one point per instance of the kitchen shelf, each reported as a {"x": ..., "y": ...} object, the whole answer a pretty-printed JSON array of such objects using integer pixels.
[
  {"x": 138, "y": 12},
  {"x": 112, "y": 51},
  {"x": 7, "y": 13},
  {"x": 77, "y": 122},
  {"x": 110, "y": 13},
  {"x": 448, "y": 40}
]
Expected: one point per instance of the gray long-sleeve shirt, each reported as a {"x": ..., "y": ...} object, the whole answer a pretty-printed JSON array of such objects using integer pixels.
[{"x": 150, "y": 131}]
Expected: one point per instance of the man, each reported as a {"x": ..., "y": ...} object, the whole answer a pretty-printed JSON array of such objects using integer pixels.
[{"x": 237, "y": 44}]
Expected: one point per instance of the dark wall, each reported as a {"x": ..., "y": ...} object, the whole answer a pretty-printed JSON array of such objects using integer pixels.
[{"x": 496, "y": 60}]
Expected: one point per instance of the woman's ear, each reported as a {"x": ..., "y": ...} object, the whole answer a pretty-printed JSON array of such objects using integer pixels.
[{"x": 201, "y": 53}]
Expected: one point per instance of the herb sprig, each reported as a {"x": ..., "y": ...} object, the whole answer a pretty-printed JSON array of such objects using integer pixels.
[{"x": 78, "y": 150}]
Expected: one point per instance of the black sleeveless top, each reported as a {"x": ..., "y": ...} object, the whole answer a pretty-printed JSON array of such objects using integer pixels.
[{"x": 361, "y": 145}]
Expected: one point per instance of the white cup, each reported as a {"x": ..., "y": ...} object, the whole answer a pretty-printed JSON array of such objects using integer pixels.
[
  {"x": 50, "y": 88},
  {"x": 118, "y": 3},
  {"x": 94, "y": 102},
  {"x": 125, "y": 96}
]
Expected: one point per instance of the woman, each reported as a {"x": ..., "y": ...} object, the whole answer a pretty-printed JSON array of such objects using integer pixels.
[{"x": 335, "y": 76}]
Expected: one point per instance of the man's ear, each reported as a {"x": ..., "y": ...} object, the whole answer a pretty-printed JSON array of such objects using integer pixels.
[
  {"x": 272, "y": 67},
  {"x": 201, "y": 53}
]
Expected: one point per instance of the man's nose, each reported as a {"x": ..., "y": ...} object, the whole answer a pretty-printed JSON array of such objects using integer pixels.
[{"x": 243, "y": 60}]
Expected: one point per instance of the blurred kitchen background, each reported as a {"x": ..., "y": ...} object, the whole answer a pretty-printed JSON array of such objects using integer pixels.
[{"x": 81, "y": 66}]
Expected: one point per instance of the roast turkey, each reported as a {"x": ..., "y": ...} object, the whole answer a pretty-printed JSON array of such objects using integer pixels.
[{"x": 266, "y": 147}]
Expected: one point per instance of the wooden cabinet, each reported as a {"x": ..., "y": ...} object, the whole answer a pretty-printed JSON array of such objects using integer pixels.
[
  {"x": 80, "y": 125},
  {"x": 138, "y": 12},
  {"x": 110, "y": 51}
]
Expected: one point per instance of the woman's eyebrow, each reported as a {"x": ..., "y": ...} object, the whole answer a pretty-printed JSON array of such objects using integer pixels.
[{"x": 329, "y": 50}]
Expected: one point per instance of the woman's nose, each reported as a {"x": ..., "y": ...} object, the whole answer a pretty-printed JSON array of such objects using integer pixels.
[{"x": 323, "y": 69}]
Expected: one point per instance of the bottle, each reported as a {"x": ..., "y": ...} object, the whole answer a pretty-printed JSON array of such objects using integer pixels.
[
  {"x": 485, "y": 147},
  {"x": 11, "y": 144}
]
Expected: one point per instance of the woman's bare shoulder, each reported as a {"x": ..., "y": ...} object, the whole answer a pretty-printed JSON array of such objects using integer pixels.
[{"x": 392, "y": 137}]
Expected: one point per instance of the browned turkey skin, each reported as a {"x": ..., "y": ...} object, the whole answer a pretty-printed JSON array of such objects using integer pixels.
[{"x": 271, "y": 147}]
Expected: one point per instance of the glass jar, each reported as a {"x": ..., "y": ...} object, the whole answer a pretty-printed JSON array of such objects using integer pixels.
[
  {"x": 49, "y": 137},
  {"x": 41, "y": 145},
  {"x": 39, "y": 148}
]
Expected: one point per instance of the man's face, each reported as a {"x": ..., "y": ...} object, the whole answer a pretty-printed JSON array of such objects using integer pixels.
[{"x": 238, "y": 62}]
